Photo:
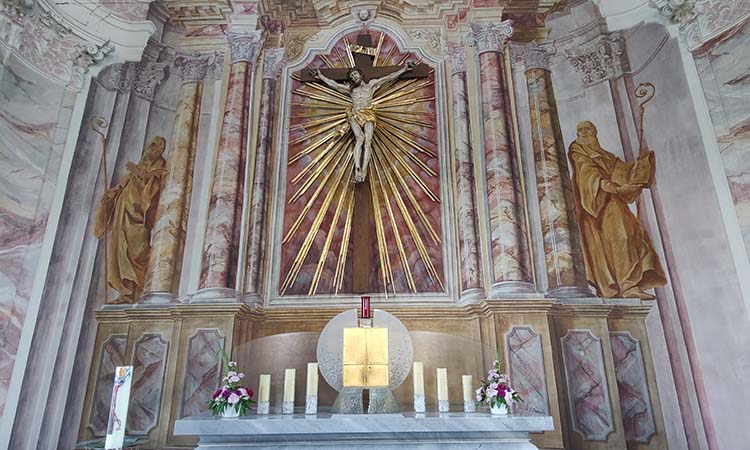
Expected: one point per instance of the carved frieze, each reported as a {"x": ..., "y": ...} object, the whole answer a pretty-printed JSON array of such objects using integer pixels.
[
  {"x": 489, "y": 37},
  {"x": 600, "y": 60}
]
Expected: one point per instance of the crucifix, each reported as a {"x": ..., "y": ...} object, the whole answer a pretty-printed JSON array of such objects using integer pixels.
[{"x": 364, "y": 78}]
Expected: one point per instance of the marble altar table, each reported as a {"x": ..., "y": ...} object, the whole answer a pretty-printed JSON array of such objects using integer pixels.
[{"x": 460, "y": 431}]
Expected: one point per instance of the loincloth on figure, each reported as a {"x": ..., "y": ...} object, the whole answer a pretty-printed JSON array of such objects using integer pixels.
[{"x": 363, "y": 116}]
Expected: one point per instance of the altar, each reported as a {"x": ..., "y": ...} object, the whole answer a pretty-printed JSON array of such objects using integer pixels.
[{"x": 383, "y": 431}]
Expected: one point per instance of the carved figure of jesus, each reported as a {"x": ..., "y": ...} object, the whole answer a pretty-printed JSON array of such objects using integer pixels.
[{"x": 361, "y": 117}]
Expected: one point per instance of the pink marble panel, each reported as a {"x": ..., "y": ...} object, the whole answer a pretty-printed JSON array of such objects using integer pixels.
[
  {"x": 526, "y": 371},
  {"x": 149, "y": 363},
  {"x": 510, "y": 252},
  {"x": 112, "y": 355},
  {"x": 202, "y": 370},
  {"x": 426, "y": 137},
  {"x": 635, "y": 402},
  {"x": 219, "y": 260},
  {"x": 588, "y": 394}
]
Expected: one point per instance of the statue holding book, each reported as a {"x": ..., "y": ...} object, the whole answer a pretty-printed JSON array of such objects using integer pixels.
[{"x": 620, "y": 259}]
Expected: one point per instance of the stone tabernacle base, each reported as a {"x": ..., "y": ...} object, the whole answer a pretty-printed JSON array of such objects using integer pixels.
[{"x": 460, "y": 431}]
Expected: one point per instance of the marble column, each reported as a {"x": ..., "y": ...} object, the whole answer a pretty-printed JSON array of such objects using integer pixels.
[
  {"x": 168, "y": 235},
  {"x": 273, "y": 61},
  {"x": 566, "y": 273},
  {"x": 468, "y": 237},
  {"x": 221, "y": 242},
  {"x": 511, "y": 266}
]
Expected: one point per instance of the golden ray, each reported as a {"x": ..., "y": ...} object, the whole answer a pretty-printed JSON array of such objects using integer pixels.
[
  {"x": 389, "y": 55},
  {"x": 416, "y": 237},
  {"x": 313, "y": 123},
  {"x": 415, "y": 204},
  {"x": 394, "y": 86},
  {"x": 316, "y": 173},
  {"x": 406, "y": 102},
  {"x": 323, "y": 98},
  {"x": 338, "y": 277},
  {"x": 329, "y": 239},
  {"x": 393, "y": 131},
  {"x": 401, "y": 92},
  {"x": 377, "y": 50},
  {"x": 310, "y": 202},
  {"x": 327, "y": 61},
  {"x": 394, "y": 227},
  {"x": 302, "y": 255},
  {"x": 398, "y": 125},
  {"x": 404, "y": 151},
  {"x": 409, "y": 120},
  {"x": 320, "y": 130},
  {"x": 312, "y": 105},
  {"x": 316, "y": 114},
  {"x": 331, "y": 92},
  {"x": 348, "y": 47},
  {"x": 386, "y": 272},
  {"x": 328, "y": 152},
  {"x": 342, "y": 60},
  {"x": 310, "y": 148},
  {"x": 415, "y": 176}
]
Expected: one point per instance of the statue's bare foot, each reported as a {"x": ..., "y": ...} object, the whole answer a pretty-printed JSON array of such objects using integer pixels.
[{"x": 358, "y": 176}]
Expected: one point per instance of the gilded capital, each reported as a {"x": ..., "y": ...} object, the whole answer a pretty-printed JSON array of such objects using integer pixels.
[
  {"x": 244, "y": 46},
  {"x": 489, "y": 37},
  {"x": 274, "y": 59}
]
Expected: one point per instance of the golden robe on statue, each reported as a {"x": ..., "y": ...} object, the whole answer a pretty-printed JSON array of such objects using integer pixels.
[
  {"x": 620, "y": 259},
  {"x": 128, "y": 210}
]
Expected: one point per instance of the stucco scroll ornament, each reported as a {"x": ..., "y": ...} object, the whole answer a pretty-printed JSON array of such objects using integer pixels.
[
  {"x": 429, "y": 35},
  {"x": 601, "y": 61},
  {"x": 89, "y": 54},
  {"x": 274, "y": 59},
  {"x": 244, "y": 46},
  {"x": 193, "y": 68},
  {"x": 678, "y": 11},
  {"x": 489, "y": 37},
  {"x": 536, "y": 56},
  {"x": 455, "y": 54}
]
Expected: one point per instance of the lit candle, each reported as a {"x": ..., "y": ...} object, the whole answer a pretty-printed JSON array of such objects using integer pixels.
[
  {"x": 289, "y": 375},
  {"x": 418, "y": 375},
  {"x": 365, "y": 307},
  {"x": 264, "y": 387},
  {"x": 312, "y": 379},
  {"x": 442, "y": 384},
  {"x": 467, "y": 381}
]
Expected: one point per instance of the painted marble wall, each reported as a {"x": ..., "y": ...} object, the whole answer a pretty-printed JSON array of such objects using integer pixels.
[
  {"x": 724, "y": 69},
  {"x": 34, "y": 115}
]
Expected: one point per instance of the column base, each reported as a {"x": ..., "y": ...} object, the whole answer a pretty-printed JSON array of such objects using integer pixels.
[
  {"x": 472, "y": 295},
  {"x": 511, "y": 289},
  {"x": 252, "y": 299},
  {"x": 569, "y": 292},
  {"x": 159, "y": 298},
  {"x": 215, "y": 295}
]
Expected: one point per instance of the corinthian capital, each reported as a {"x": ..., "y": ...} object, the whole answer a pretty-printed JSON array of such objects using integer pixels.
[
  {"x": 244, "y": 46},
  {"x": 602, "y": 60},
  {"x": 274, "y": 60},
  {"x": 455, "y": 54},
  {"x": 193, "y": 68},
  {"x": 489, "y": 37},
  {"x": 535, "y": 56}
]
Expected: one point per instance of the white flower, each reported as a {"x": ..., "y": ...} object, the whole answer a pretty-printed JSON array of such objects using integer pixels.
[
  {"x": 231, "y": 373},
  {"x": 233, "y": 399},
  {"x": 509, "y": 397},
  {"x": 241, "y": 375},
  {"x": 232, "y": 363},
  {"x": 491, "y": 393},
  {"x": 479, "y": 394},
  {"x": 226, "y": 378},
  {"x": 234, "y": 379},
  {"x": 243, "y": 391}
]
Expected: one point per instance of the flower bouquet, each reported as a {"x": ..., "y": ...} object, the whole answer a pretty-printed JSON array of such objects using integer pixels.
[
  {"x": 496, "y": 392},
  {"x": 231, "y": 400}
]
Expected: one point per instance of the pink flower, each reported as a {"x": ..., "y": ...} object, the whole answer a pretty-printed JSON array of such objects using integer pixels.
[
  {"x": 492, "y": 374},
  {"x": 242, "y": 391},
  {"x": 509, "y": 397},
  {"x": 491, "y": 393},
  {"x": 218, "y": 392},
  {"x": 250, "y": 392},
  {"x": 233, "y": 399},
  {"x": 225, "y": 393}
]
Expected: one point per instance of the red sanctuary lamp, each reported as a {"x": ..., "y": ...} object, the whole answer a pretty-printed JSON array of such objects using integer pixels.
[{"x": 366, "y": 312}]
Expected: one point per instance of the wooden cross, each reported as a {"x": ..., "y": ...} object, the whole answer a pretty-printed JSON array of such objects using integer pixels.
[{"x": 363, "y": 225}]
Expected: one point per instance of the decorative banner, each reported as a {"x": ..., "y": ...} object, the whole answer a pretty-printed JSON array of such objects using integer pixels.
[{"x": 118, "y": 410}]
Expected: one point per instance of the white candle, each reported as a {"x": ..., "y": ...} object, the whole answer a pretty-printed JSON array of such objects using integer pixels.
[
  {"x": 418, "y": 376},
  {"x": 312, "y": 378},
  {"x": 467, "y": 382},
  {"x": 289, "y": 375},
  {"x": 264, "y": 387},
  {"x": 442, "y": 384}
]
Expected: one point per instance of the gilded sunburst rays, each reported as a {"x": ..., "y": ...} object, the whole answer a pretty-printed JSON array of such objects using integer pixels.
[{"x": 397, "y": 176}]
